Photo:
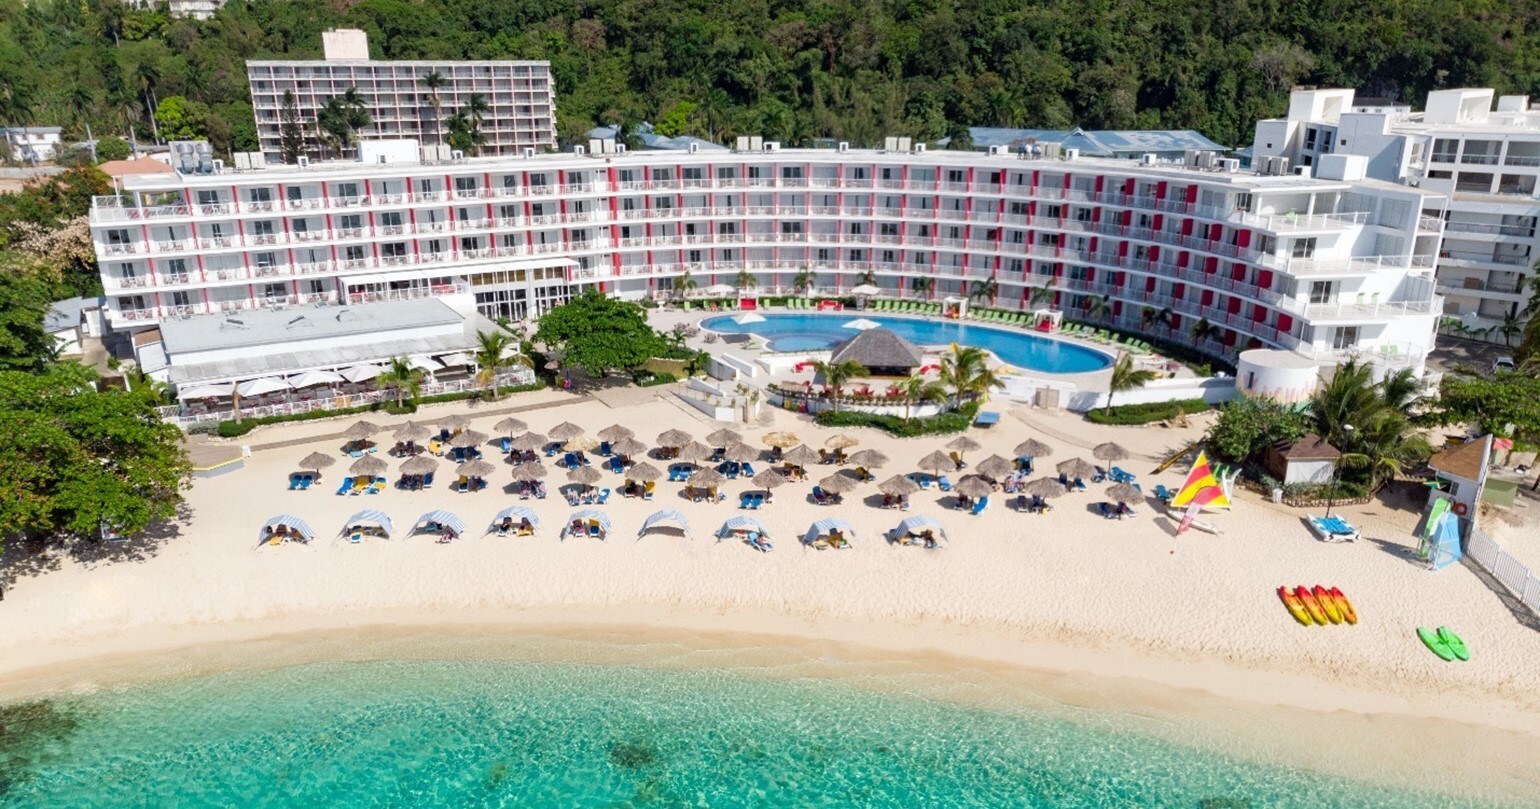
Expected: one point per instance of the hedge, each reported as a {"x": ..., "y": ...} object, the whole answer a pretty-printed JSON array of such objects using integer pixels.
[
  {"x": 648, "y": 379},
  {"x": 1146, "y": 413},
  {"x": 951, "y": 422},
  {"x": 233, "y": 429}
]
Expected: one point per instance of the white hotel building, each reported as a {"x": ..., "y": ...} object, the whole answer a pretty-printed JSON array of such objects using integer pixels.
[
  {"x": 1323, "y": 267},
  {"x": 1484, "y": 157}
]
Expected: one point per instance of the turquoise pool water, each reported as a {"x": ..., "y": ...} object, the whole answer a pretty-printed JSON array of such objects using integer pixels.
[
  {"x": 524, "y": 734},
  {"x": 810, "y": 332}
]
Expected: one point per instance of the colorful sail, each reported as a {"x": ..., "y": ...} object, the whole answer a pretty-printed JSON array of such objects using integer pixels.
[
  {"x": 1201, "y": 487},
  {"x": 1186, "y": 523}
]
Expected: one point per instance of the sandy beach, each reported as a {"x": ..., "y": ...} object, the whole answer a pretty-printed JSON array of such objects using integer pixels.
[{"x": 1067, "y": 593}]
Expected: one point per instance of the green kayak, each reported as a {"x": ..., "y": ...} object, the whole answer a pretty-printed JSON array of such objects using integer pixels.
[
  {"x": 1435, "y": 643},
  {"x": 1454, "y": 642}
]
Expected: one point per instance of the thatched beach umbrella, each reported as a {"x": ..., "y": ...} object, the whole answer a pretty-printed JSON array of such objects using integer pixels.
[
  {"x": 800, "y": 455},
  {"x": 841, "y": 441},
  {"x": 674, "y": 438},
  {"x": 994, "y": 467},
  {"x": 510, "y": 426},
  {"x": 615, "y": 432},
  {"x": 582, "y": 443},
  {"x": 837, "y": 483},
  {"x": 724, "y": 437},
  {"x": 770, "y": 479},
  {"x": 1033, "y": 448},
  {"x": 937, "y": 462},
  {"x": 707, "y": 479},
  {"x": 529, "y": 442},
  {"x": 963, "y": 443},
  {"x": 739, "y": 452},
  {"x": 317, "y": 461},
  {"x": 361, "y": 430},
  {"x": 566, "y": 431},
  {"x": 782, "y": 439},
  {"x": 369, "y": 465},
  {"x": 644, "y": 472},
  {"x": 1124, "y": 493},
  {"x": 467, "y": 439},
  {"x": 452, "y": 422},
  {"x": 529, "y": 472},
  {"x": 869, "y": 458},
  {"x": 1044, "y": 488},
  {"x": 475, "y": 468},
  {"x": 628, "y": 447},
  {"x": 1076, "y": 468},
  {"x": 420, "y": 465},
  {"x": 898, "y": 486},
  {"x": 974, "y": 486},
  {"x": 1109, "y": 452},
  {"x": 412, "y": 431},
  {"x": 584, "y": 474},
  {"x": 694, "y": 451}
]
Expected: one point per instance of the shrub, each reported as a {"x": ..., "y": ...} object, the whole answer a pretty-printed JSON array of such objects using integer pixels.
[
  {"x": 951, "y": 422},
  {"x": 1145, "y": 413},
  {"x": 1340, "y": 490},
  {"x": 648, "y": 379}
]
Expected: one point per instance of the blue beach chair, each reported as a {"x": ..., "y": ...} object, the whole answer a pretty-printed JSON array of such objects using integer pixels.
[{"x": 978, "y": 508}]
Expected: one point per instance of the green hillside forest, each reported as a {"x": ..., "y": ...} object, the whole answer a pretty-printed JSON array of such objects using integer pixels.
[{"x": 790, "y": 70}]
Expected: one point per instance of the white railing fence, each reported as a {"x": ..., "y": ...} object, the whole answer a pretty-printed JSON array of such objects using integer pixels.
[{"x": 1506, "y": 569}]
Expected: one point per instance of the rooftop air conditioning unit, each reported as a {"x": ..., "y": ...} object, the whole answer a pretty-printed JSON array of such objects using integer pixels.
[
  {"x": 1071, "y": 154},
  {"x": 1192, "y": 158},
  {"x": 742, "y": 144},
  {"x": 380, "y": 158},
  {"x": 526, "y": 153},
  {"x": 1208, "y": 160},
  {"x": 843, "y": 147},
  {"x": 1277, "y": 165},
  {"x": 919, "y": 148},
  {"x": 596, "y": 146},
  {"x": 890, "y": 144},
  {"x": 456, "y": 155},
  {"x": 304, "y": 162},
  {"x": 242, "y": 161},
  {"x": 1230, "y": 164},
  {"x": 1302, "y": 171},
  {"x": 620, "y": 148},
  {"x": 579, "y": 150},
  {"x": 217, "y": 166},
  {"x": 756, "y": 143},
  {"x": 995, "y": 151},
  {"x": 693, "y": 148},
  {"x": 904, "y": 144},
  {"x": 1147, "y": 159},
  {"x": 772, "y": 146}
]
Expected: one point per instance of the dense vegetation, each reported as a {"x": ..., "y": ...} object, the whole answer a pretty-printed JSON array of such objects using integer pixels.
[{"x": 789, "y": 70}]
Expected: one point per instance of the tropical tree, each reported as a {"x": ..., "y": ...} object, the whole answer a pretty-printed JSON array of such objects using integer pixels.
[
  {"x": 495, "y": 350},
  {"x": 684, "y": 285},
  {"x": 923, "y": 284},
  {"x": 80, "y": 102},
  {"x": 919, "y": 390},
  {"x": 805, "y": 280},
  {"x": 965, "y": 369},
  {"x": 291, "y": 131},
  {"x": 983, "y": 288},
  {"x": 475, "y": 111},
  {"x": 1043, "y": 295},
  {"x": 1098, "y": 307},
  {"x": 433, "y": 82},
  {"x": 868, "y": 277},
  {"x": 342, "y": 117},
  {"x": 1511, "y": 327},
  {"x": 1150, "y": 318},
  {"x": 745, "y": 280},
  {"x": 1204, "y": 330},
  {"x": 402, "y": 378},
  {"x": 1369, "y": 421},
  {"x": 1126, "y": 377},
  {"x": 600, "y": 334},
  {"x": 836, "y": 374}
]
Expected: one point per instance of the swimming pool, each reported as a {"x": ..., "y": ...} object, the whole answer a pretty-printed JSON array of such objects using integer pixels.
[{"x": 813, "y": 332}]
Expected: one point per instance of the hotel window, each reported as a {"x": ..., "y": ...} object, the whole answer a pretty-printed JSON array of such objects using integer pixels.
[
  {"x": 791, "y": 228},
  {"x": 353, "y": 252},
  {"x": 823, "y": 254},
  {"x": 1344, "y": 337},
  {"x": 1321, "y": 291},
  {"x": 857, "y": 228},
  {"x": 693, "y": 173},
  {"x": 857, "y": 172},
  {"x": 465, "y": 186},
  {"x": 661, "y": 175},
  {"x": 347, "y": 190},
  {"x": 956, "y": 176},
  {"x": 393, "y": 250},
  {"x": 887, "y": 256},
  {"x": 1053, "y": 211},
  {"x": 1303, "y": 248},
  {"x": 727, "y": 228},
  {"x": 888, "y": 228},
  {"x": 791, "y": 172},
  {"x": 727, "y": 173},
  {"x": 857, "y": 255}
]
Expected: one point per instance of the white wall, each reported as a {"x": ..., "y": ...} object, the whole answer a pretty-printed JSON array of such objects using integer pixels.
[{"x": 1214, "y": 390}]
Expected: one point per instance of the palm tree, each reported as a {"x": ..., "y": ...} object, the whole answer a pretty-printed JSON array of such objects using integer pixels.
[
  {"x": 1043, "y": 294},
  {"x": 1126, "y": 377},
  {"x": 965, "y": 369},
  {"x": 745, "y": 280},
  {"x": 1347, "y": 405},
  {"x": 835, "y": 375},
  {"x": 1511, "y": 327},
  {"x": 342, "y": 117},
  {"x": 148, "y": 75},
  {"x": 868, "y": 277},
  {"x": 923, "y": 283},
  {"x": 805, "y": 280},
  {"x": 1099, "y": 307},
  {"x": 403, "y": 378},
  {"x": 918, "y": 390},
  {"x": 433, "y": 82},
  {"x": 1401, "y": 391},
  {"x": 1203, "y": 330},
  {"x": 1150, "y": 317},
  {"x": 476, "y": 109},
  {"x": 81, "y": 103},
  {"x": 984, "y": 288},
  {"x": 459, "y": 128},
  {"x": 492, "y": 357},
  {"x": 684, "y": 284}
]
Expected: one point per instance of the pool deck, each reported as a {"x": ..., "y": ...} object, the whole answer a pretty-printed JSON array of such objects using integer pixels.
[{"x": 667, "y": 319}]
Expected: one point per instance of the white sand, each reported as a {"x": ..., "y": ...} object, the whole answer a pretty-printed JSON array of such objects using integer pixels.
[{"x": 1066, "y": 592}]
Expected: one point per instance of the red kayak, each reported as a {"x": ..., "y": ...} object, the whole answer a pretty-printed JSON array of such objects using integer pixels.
[{"x": 1303, "y": 593}]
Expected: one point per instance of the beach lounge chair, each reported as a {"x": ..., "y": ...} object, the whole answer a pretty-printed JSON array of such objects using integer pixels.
[
  {"x": 978, "y": 507},
  {"x": 1063, "y": 481},
  {"x": 427, "y": 481},
  {"x": 1163, "y": 494},
  {"x": 1101, "y": 475},
  {"x": 604, "y": 495},
  {"x": 346, "y": 486},
  {"x": 1107, "y": 511},
  {"x": 506, "y": 444},
  {"x": 1020, "y": 503},
  {"x": 539, "y": 490},
  {"x": 377, "y": 486},
  {"x": 647, "y": 490},
  {"x": 1119, "y": 475},
  {"x": 957, "y": 459},
  {"x": 1333, "y": 529},
  {"x": 1024, "y": 465},
  {"x": 604, "y": 449},
  {"x": 294, "y": 483},
  {"x": 1079, "y": 484},
  {"x": 946, "y": 485},
  {"x": 923, "y": 481},
  {"x": 360, "y": 485},
  {"x": 616, "y": 465},
  {"x": 745, "y": 500},
  {"x": 820, "y": 497},
  {"x": 1125, "y": 510},
  {"x": 748, "y": 469}
]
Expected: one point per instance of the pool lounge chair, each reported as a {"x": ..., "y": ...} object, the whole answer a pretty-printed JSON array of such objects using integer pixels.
[
  {"x": 923, "y": 481},
  {"x": 360, "y": 485},
  {"x": 604, "y": 495},
  {"x": 346, "y": 486},
  {"x": 978, "y": 507},
  {"x": 377, "y": 486},
  {"x": 1163, "y": 494},
  {"x": 1119, "y": 475},
  {"x": 647, "y": 489},
  {"x": 1334, "y": 529}
]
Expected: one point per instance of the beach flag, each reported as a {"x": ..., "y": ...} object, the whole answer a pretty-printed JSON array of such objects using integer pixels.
[{"x": 1201, "y": 488}]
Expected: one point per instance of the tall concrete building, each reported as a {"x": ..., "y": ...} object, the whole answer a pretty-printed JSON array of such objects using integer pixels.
[
  {"x": 1486, "y": 159},
  {"x": 521, "y": 114}
]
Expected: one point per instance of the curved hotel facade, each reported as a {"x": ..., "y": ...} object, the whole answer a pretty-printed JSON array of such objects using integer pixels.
[{"x": 1322, "y": 267}]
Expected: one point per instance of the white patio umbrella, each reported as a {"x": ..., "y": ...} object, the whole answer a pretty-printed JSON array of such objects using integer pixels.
[
  {"x": 426, "y": 364},
  {"x": 863, "y": 324},
  {"x": 747, "y": 318},
  {"x": 720, "y": 289},
  {"x": 865, "y": 289},
  {"x": 361, "y": 373},
  {"x": 257, "y": 387},
  {"x": 309, "y": 378},
  {"x": 457, "y": 358},
  {"x": 205, "y": 391}
]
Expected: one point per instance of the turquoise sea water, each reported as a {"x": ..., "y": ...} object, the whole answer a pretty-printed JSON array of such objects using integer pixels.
[
  {"x": 811, "y": 332},
  {"x": 515, "y": 734}
]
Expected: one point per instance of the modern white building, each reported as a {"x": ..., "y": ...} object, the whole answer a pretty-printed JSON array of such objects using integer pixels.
[
  {"x": 1484, "y": 157},
  {"x": 1324, "y": 268},
  {"x": 521, "y": 105},
  {"x": 31, "y": 144}
]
